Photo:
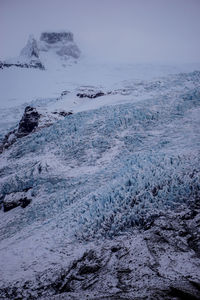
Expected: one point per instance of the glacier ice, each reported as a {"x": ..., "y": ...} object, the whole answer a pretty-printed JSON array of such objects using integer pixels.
[
  {"x": 98, "y": 173},
  {"x": 104, "y": 201}
]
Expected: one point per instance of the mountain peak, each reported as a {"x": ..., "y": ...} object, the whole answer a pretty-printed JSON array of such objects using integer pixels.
[
  {"x": 60, "y": 44},
  {"x": 52, "y": 49},
  {"x": 30, "y": 51},
  {"x": 55, "y": 37}
]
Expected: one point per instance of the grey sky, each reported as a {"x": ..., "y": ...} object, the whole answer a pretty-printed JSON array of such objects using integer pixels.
[{"x": 118, "y": 30}]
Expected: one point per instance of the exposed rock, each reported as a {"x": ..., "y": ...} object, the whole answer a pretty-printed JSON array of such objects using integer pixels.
[
  {"x": 91, "y": 92},
  {"x": 91, "y": 95},
  {"x": 14, "y": 200},
  {"x": 60, "y": 44},
  {"x": 88, "y": 269},
  {"x": 28, "y": 58},
  {"x": 8, "y": 140},
  {"x": 54, "y": 37},
  {"x": 157, "y": 263},
  {"x": 24, "y": 202},
  {"x": 8, "y": 205},
  {"x": 63, "y": 113},
  {"x": 64, "y": 93},
  {"x": 69, "y": 51},
  {"x": 27, "y": 125},
  {"x": 34, "y": 65},
  {"x": 28, "y": 122}
]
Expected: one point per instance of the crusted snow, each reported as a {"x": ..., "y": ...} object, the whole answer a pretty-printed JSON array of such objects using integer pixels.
[{"x": 118, "y": 160}]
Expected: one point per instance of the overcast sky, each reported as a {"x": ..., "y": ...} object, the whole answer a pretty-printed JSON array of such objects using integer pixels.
[{"x": 117, "y": 30}]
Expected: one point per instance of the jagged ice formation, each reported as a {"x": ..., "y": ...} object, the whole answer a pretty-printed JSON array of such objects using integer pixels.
[{"x": 104, "y": 204}]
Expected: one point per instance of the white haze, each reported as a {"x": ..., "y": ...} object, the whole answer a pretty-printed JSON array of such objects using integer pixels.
[{"x": 108, "y": 30}]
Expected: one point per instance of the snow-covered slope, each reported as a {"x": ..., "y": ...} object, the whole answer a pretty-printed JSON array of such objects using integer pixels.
[
  {"x": 22, "y": 87},
  {"x": 110, "y": 160},
  {"x": 91, "y": 199}
]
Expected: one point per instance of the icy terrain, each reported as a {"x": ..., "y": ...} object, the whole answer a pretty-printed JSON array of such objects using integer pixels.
[{"x": 102, "y": 203}]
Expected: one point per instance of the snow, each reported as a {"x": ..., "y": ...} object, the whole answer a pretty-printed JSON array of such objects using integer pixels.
[
  {"x": 22, "y": 87},
  {"x": 116, "y": 143},
  {"x": 115, "y": 162}
]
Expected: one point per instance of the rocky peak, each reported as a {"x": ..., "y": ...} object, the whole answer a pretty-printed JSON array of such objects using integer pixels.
[
  {"x": 61, "y": 44},
  {"x": 54, "y": 37},
  {"x": 28, "y": 122},
  {"x": 28, "y": 58},
  {"x": 52, "y": 46},
  {"x": 30, "y": 51}
]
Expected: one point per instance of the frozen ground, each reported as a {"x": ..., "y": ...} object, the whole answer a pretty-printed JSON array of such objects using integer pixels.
[{"x": 114, "y": 187}]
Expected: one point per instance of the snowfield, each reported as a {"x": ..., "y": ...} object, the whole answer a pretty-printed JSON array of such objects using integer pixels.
[{"x": 102, "y": 182}]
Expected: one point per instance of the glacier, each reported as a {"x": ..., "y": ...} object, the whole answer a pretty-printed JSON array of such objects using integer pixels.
[
  {"x": 138, "y": 148},
  {"x": 97, "y": 179}
]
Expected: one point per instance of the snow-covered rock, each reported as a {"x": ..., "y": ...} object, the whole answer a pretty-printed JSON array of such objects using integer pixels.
[
  {"x": 28, "y": 122},
  {"x": 59, "y": 43},
  {"x": 90, "y": 93},
  {"x": 28, "y": 58},
  {"x": 30, "y": 51},
  {"x": 31, "y": 121},
  {"x": 13, "y": 200},
  {"x": 53, "y": 47},
  {"x": 58, "y": 49},
  {"x": 21, "y": 64}
]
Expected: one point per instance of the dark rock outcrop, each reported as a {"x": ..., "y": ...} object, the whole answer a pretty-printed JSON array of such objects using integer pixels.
[
  {"x": 34, "y": 65},
  {"x": 64, "y": 93},
  {"x": 28, "y": 122},
  {"x": 54, "y": 37},
  {"x": 27, "y": 125},
  {"x": 63, "y": 113},
  {"x": 60, "y": 44},
  {"x": 13, "y": 200},
  {"x": 23, "y": 202},
  {"x": 91, "y": 95}
]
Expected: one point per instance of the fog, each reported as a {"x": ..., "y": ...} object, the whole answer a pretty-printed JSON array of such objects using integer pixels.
[{"x": 108, "y": 30}]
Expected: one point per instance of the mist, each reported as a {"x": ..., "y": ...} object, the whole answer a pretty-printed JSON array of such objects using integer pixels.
[{"x": 108, "y": 30}]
